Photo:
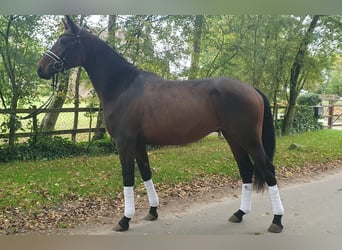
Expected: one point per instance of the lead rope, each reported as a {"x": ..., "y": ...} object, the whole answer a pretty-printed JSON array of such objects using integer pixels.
[{"x": 44, "y": 106}]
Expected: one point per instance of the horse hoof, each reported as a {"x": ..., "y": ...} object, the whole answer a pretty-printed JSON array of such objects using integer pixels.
[
  {"x": 234, "y": 219},
  {"x": 123, "y": 225},
  {"x": 119, "y": 228},
  {"x": 151, "y": 217},
  {"x": 275, "y": 228}
]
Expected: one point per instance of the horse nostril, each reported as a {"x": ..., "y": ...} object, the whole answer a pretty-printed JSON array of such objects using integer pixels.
[
  {"x": 41, "y": 74},
  {"x": 39, "y": 70}
]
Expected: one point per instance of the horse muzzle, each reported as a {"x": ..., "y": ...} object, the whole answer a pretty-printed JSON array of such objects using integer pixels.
[
  {"x": 44, "y": 74},
  {"x": 51, "y": 69}
]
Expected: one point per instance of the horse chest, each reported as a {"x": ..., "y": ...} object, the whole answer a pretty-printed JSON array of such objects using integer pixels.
[{"x": 121, "y": 117}]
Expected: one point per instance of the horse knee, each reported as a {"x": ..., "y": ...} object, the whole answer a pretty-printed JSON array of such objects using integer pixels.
[
  {"x": 128, "y": 179},
  {"x": 145, "y": 172}
]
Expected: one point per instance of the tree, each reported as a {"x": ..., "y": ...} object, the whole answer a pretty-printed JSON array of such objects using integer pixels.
[
  {"x": 196, "y": 46},
  {"x": 334, "y": 83},
  {"x": 297, "y": 78},
  {"x": 221, "y": 40},
  {"x": 49, "y": 120},
  {"x": 155, "y": 43},
  {"x": 19, "y": 50},
  {"x": 261, "y": 50}
]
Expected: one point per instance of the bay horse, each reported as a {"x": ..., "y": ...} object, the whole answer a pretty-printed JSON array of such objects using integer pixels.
[{"x": 141, "y": 108}]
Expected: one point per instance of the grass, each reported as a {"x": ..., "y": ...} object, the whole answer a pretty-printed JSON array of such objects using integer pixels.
[
  {"x": 29, "y": 186},
  {"x": 316, "y": 147}
]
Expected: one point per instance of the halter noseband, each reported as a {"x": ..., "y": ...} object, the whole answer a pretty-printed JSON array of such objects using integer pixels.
[
  {"x": 58, "y": 61},
  {"x": 58, "y": 65}
]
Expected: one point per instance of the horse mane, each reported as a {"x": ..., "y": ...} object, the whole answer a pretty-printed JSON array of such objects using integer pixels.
[{"x": 118, "y": 58}]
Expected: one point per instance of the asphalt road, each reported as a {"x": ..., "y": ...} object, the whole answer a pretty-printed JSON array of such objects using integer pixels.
[{"x": 313, "y": 208}]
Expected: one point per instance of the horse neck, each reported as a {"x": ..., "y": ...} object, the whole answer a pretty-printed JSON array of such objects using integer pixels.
[{"x": 106, "y": 69}]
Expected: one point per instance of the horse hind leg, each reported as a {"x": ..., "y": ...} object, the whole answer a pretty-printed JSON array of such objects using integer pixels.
[
  {"x": 146, "y": 174},
  {"x": 265, "y": 172},
  {"x": 246, "y": 169}
]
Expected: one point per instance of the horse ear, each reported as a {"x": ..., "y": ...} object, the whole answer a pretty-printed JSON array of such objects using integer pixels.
[
  {"x": 66, "y": 26},
  {"x": 69, "y": 24}
]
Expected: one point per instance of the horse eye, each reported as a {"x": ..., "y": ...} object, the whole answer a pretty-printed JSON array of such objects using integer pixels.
[{"x": 64, "y": 40}]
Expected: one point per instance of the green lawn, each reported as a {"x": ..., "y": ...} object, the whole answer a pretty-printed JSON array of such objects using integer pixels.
[{"x": 28, "y": 186}]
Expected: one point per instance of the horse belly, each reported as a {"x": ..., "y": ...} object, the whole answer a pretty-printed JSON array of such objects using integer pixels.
[{"x": 180, "y": 130}]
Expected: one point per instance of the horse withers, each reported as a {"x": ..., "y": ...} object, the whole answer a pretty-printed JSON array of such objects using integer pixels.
[{"x": 141, "y": 108}]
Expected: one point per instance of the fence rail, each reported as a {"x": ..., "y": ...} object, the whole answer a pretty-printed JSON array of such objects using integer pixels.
[
  {"x": 36, "y": 132},
  {"x": 332, "y": 115},
  {"x": 60, "y": 110}
]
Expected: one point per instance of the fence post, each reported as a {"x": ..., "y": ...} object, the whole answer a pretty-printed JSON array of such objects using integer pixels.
[
  {"x": 34, "y": 125},
  {"x": 275, "y": 113},
  {"x": 330, "y": 113},
  {"x": 73, "y": 133}
]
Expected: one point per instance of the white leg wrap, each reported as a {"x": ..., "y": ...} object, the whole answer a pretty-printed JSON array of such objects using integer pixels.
[
  {"x": 129, "y": 202},
  {"x": 277, "y": 205},
  {"x": 246, "y": 198},
  {"x": 151, "y": 193}
]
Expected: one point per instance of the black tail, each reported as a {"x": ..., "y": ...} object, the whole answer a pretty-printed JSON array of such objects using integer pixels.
[
  {"x": 268, "y": 141},
  {"x": 268, "y": 132}
]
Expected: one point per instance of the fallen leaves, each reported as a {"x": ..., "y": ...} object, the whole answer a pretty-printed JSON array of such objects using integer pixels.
[
  {"x": 13, "y": 221},
  {"x": 80, "y": 210}
]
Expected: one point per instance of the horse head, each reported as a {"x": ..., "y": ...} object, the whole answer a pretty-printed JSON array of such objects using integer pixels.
[{"x": 66, "y": 52}]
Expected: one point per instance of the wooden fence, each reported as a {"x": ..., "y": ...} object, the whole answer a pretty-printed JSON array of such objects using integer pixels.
[
  {"x": 332, "y": 118},
  {"x": 332, "y": 112},
  {"x": 331, "y": 115},
  {"x": 34, "y": 130}
]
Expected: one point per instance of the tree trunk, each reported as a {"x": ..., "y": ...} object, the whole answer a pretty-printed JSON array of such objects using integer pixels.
[
  {"x": 100, "y": 131},
  {"x": 77, "y": 101},
  {"x": 49, "y": 121},
  {"x": 196, "y": 47},
  {"x": 13, "y": 120},
  {"x": 296, "y": 69},
  {"x": 9, "y": 65}
]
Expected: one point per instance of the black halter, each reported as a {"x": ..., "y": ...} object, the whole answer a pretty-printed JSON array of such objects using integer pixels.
[{"x": 58, "y": 61}]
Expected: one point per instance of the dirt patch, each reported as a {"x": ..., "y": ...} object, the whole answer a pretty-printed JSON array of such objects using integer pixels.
[{"x": 86, "y": 215}]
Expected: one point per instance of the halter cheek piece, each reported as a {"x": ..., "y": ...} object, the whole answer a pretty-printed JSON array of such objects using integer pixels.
[
  {"x": 58, "y": 61},
  {"x": 58, "y": 65}
]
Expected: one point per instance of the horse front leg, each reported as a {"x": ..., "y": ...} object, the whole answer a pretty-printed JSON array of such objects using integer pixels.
[
  {"x": 146, "y": 174},
  {"x": 126, "y": 148}
]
